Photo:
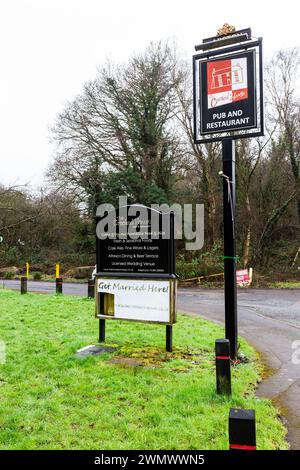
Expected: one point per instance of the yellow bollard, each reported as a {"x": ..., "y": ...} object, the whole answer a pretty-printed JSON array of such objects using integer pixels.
[
  {"x": 57, "y": 271},
  {"x": 27, "y": 270}
]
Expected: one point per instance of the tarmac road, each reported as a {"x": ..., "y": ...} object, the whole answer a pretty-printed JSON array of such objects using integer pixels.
[
  {"x": 268, "y": 318},
  {"x": 69, "y": 288}
]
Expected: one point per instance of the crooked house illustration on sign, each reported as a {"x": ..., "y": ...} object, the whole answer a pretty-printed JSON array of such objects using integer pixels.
[{"x": 135, "y": 277}]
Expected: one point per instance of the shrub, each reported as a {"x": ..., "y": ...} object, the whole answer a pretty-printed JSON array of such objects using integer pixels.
[
  {"x": 9, "y": 275},
  {"x": 37, "y": 276},
  {"x": 187, "y": 270}
]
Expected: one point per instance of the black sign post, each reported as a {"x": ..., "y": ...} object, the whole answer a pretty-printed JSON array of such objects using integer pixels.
[
  {"x": 228, "y": 105},
  {"x": 231, "y": 329}
]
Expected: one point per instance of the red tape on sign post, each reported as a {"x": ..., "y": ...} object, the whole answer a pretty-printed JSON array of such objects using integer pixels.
[{"x": 223, "y": 373}]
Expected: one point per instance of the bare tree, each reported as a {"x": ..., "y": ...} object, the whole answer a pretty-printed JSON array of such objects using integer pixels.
[
  {"x": 282, "y": 76},
  {"x": 203, "y": 159},
  {"x": 121, "y": 121}
]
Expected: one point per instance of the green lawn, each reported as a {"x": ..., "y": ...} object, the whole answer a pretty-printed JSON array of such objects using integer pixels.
[{"x": 49, "y": 399}]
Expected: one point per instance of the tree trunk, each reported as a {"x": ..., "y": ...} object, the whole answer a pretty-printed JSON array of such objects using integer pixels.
[
  {"x": 295, "y": 166},
  {"x": 211, "y": 208},
  {"x": 264, "y": 243}
]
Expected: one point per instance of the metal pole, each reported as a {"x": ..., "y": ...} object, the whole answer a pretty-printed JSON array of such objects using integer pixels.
[
  {"x": 169, "y": 338},
  {"x": 101, "y": 331},
  {"x": 231, "y": 331}
]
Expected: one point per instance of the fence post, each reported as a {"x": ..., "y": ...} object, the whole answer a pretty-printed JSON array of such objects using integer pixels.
[
  {"x": 91, "y": 288},
  {"x": 23, "y": 285},
  {"x": 59, "y": 285},
  {"x": 242, "y": 432},
  {"x": 223, "y": 376}
]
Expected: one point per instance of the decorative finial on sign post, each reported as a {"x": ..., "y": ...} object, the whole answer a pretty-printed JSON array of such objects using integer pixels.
[{"x": 225, "y": 30}]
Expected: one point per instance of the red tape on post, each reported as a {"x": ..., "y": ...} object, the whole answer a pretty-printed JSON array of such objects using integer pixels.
[
  {"x": 238, "y": 446},
  {"x": 223, "y": 357}
]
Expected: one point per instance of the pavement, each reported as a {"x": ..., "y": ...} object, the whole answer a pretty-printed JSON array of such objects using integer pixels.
[{"x": 268, "y": 318}]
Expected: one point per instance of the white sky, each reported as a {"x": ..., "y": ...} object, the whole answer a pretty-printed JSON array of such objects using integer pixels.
[{"x": 49, "y": 48}]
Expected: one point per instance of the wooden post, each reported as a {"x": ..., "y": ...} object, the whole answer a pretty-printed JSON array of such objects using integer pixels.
[
  {"x": 242, "y": 432},
  {"x": 223, "y": 376},
  {"x": 169, "y": 338},
  {"x": 250, "y": 276},
  {"x": 23, "y": 285},
  {"x": 27, "y": 270},
  {"x": 101, "y": 330},
  {"x": 91, "y": 288},
  {"x": 59, "y": 285}
]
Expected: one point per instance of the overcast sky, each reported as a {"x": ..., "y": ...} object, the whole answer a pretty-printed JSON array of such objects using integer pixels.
[{"x": 49, "y": 48}]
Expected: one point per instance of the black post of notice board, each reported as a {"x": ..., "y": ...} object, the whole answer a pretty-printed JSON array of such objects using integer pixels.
[
  {"x": 229, "y": 197},
  {"x": 101, "y": 331}
]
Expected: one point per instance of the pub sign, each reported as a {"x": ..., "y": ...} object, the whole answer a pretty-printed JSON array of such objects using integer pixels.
[{"x": 228, "y": 94}]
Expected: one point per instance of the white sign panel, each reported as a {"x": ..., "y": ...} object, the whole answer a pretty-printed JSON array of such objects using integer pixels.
[{"x": 144, "y": 300}]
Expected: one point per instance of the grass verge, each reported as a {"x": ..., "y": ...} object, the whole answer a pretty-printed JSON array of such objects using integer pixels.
[
  {"x": 285, "y": 285},
  {"x": 139, "y": 397}
]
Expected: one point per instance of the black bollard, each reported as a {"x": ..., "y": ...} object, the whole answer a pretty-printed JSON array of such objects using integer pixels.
[
  {"x": 59, "y": 285},
  {"x": 169, "y": 338},
  {"x": 223, "y": 376},
  {"x": 91, "y": 288},
  {"x": 242, "y": 432},
  {"x": 101, "y": 331},
  {"x": 23, "y": 285}
]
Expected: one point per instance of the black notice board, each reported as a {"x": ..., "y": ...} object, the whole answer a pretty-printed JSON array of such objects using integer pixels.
[{"x": 150, "y": 254}]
